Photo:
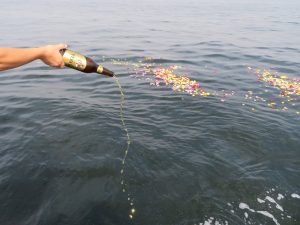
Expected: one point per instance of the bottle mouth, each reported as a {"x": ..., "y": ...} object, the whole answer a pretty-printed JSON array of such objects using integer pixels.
[{"x": 108, "y": 72}]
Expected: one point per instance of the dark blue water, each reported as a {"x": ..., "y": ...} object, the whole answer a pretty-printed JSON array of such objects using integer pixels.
[{"x": 192, "y": 160}]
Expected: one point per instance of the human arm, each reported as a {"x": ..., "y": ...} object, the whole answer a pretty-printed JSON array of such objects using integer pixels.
[{"x": 15, "y": 57}]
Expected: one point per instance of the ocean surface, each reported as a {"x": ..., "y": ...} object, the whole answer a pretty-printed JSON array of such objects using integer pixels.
[{"x": 230, "y": 158}]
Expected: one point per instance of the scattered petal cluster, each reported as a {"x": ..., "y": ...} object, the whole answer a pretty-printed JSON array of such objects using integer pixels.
[
  {"x": 286, "y": 85},
  {"x": 178, "y": 83}
]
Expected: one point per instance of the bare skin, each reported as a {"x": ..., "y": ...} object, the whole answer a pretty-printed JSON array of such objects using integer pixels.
[{"x": 15, "y": 57}]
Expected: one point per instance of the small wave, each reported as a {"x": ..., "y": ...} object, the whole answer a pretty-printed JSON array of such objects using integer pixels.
[
  {"x": 170, "y": 61},
  {"x": 223, "y": 56}
]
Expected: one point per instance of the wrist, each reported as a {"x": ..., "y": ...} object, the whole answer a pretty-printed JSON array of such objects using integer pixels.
[{"x": 41, "y": 52}]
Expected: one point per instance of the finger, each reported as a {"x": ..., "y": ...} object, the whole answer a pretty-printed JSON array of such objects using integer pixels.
[
  {"x": 62, "y": 65},
  {"x": 62, "y": 46}
]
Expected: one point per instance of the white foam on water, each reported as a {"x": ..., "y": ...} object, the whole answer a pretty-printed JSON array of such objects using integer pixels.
[
  {"x": 245, "y": 206},
  {"x": 280, "y": 196},
  {"x": 269, "y": 200},
  {"x": 265, "y": 213},
  {"x": 260, "y": 200},
  {"x": 273, "y": 201},
  {"x": 295, "y": 196},
  {"x": 213, "y": 221}
]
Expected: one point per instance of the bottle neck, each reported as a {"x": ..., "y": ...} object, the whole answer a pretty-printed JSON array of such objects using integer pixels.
[
  {"x": 104, "y": 71},
  {"x": 100, "y": 69}
]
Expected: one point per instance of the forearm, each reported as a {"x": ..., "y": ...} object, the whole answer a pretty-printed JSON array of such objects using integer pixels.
[{"x": 15, "y": 57}]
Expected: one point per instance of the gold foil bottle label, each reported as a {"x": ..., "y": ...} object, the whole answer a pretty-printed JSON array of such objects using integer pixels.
[
  {"x": 74, "y": 60},
  {"x": 100, "y": 69}
]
